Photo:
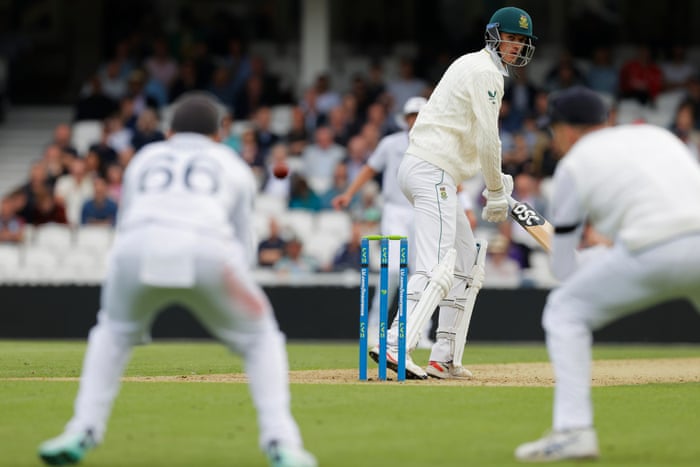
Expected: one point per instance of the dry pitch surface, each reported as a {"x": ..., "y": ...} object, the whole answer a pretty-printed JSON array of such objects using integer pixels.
[{"x": 605, "y": 373}]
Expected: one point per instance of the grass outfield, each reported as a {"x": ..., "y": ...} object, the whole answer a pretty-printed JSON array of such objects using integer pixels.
[{"x": 370, "y": 424}]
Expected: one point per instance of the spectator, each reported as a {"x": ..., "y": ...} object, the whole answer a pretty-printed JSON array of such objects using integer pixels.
[
  {"x": 294, "y": 262},
  {"x": 100, "y": 210},
  {"x": 298, "y": 136},
  {"x": 279, "y": 187},
  {"x": 47, "y": 211},
  {"x": 72, "y": 190},
  {"x": 185, "y": 81},
  {"x": 113, "y": 82},
  {"x": 405, "y": 86},
  {"x": 358, "y": 152},
  {"x": 372, "y": 135},
  {"x": 38, "y": 183},
  {"x": 11, "y": 225},
  {"x": 302, "y": 196},
  {"x": 520, "y": 93},
  {"x": 250, "y": 99},
  {"x": 376, "y": 86},
  {"x": 238, "y": 65},
  {"x": 53, "y": 163},
  {"x": 349, "y": 255},
  {"x": 263, "y": 135},
  {"x": 683, "y": 126},
  {"x": 563, "y": 74},
  {"x": 693, "y": 98},
  {"x": 62, "y": 135},
  {"x": 228, "y": 136},
  {"x": 272, "y": 249},
  {"x": 377, "y": 116},
  {"x": 677, "y": 71},
  {"x": 340, "y": 185},
  {"x": 222, "y": 87},
  {"x": 319, "y": 160},
  {"x": 641, "y": 78},
  {"x": 102, "y": 150},
  {"x": 502, "y": 271},
  {"x": 115, "y": 175},
  {"x": 119, "y": 135},
  {"x": 93, "y": 103},
  {"x": 602, "y": 76},
  {"x": 338, "y": 122},
  {"x": 147, "y": 130},
  {"x": 326, "y": 97},
  {"x": 250, "y": 152},
  {"x": 141, "y": 98},
  {"x": 160, "y": 65}
]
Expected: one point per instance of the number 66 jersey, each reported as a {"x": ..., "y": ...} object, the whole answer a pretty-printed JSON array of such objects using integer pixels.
[{"x": 189, "y": 185}]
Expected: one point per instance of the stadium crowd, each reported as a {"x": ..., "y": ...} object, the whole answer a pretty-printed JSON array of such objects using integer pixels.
[{"x": 324, "y": 133}]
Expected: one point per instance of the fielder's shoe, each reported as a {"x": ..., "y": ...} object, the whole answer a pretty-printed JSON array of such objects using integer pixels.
[
  {"x": 447, "y": 370},
  {"x": 68, "y": 448},
  {"x": 581, "y": 443},
  {"x": 413, "y": 371},
  {"x": 285, "y": 456}
]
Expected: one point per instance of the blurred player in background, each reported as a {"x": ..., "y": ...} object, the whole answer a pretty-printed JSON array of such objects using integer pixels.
[
  {"x": 184, "y": 236},
  {"x": 397, "y": 212},
  {"x": 639, "y": 186},
  {"x": 454, "y": 137}
]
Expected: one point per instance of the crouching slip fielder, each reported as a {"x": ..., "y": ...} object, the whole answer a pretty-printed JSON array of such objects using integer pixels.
[
  {"x": 184, "y": 236},
  {"x": 638, "y": 185},
  {"x": 454, "y": 136}
]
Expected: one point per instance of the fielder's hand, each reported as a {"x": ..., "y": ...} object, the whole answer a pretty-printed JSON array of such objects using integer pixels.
[{"x": 496, "y": 209}]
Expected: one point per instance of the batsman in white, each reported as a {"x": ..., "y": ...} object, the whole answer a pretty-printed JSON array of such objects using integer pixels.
[
  {"x": 397, "y": 212},
  {"x": 637, "y": 185},
  {"x": 454, "y": 137},
  {"x": 184, "y": 236}
]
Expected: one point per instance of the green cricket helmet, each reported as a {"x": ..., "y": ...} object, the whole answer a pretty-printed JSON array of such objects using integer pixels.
[{"x": 511, "y": 20}]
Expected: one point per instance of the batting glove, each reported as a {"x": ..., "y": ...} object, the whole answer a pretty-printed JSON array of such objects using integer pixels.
[{"x": 496, "y": 209}]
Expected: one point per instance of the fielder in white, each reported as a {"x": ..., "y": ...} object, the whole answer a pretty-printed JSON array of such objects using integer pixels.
[
  {"x": 637, "y": 185},
  {"x": 454, "y": 137},
  {"x": 184, "y": 236},
  {"x": 397, "y": 212}
]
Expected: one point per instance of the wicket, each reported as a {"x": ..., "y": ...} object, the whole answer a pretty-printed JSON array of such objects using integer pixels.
[{"x": 383, "y": 303}]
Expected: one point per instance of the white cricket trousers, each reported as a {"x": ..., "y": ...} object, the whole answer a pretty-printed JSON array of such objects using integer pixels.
[
  {"x": 613, "y": 284},
  {"x": 440, "y": 224},
  {"x": 213, "y": 282}
]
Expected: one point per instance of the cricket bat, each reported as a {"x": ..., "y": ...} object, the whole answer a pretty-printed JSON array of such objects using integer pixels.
[{"x": 532, "y": 221}]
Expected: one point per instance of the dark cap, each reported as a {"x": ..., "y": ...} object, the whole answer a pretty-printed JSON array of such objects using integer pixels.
[
  {"x": 577, "y": 106},
  {"x": 196, "y": 112}
]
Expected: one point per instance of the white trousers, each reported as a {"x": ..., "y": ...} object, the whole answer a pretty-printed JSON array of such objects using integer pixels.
[
  {"x": 440, "y": 224},
  {"x": 211, "y": 280},
  {"x": 613, "y": 284},
  {"x": 396, "y": 220}
]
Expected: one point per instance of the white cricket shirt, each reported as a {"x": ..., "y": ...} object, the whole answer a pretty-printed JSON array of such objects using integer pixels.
[
  {"x": 190, "y": 182},
  {"x": 457, "y": 130},
  {"x": 637, "y": 184}
]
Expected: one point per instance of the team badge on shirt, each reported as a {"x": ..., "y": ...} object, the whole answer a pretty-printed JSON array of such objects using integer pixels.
[
  {"x": 443, "y": 193},
  {"x": 492, "y": 96}
]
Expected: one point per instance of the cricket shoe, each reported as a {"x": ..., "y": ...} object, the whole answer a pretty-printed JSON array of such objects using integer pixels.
[
  {"x": 581, "y": 443},
  {"x": 446, "y": 370},
  {"x": 68, "y": 448},
  {"x": 286, "y": 456},
  {"x": 413, "y": 371}
]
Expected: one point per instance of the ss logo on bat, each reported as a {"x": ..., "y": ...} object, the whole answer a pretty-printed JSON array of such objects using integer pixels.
[{"x": 525, "y": 215}]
